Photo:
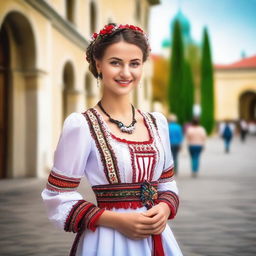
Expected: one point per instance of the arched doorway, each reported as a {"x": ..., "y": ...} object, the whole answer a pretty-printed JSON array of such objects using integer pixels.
[
  {"x": 89, "y": 90},
  {"x": 247, "y": 106},
  {"x": 4, "y": 100},
  {"x": 18, "y": 97},
  {"x": 68, "y": 90}
]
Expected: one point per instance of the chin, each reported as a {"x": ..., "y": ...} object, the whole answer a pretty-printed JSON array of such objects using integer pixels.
[{"x": 123, "y": 91}]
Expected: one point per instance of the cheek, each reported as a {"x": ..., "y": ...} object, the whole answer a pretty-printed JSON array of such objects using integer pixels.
[
  {"x": 109, "y": 71},
  {"x": 137, "y": 73}
]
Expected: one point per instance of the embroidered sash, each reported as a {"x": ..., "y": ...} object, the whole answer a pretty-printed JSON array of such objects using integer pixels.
[{"x": 107, "y": 154}]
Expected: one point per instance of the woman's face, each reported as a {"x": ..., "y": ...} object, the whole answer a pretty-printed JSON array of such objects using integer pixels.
[{"x": 121, "y": 67}]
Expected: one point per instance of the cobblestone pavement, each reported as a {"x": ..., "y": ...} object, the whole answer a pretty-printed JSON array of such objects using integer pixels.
[{"x": 217, "y": 214}]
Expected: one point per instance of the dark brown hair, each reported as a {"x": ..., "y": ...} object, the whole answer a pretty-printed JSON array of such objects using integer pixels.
[
  {"x": 97, "y": 48},
  {"x": 195, "y": 121}
]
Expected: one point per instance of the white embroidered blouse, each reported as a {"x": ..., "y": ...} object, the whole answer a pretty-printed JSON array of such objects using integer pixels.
[{"x": 88, "y": 148}]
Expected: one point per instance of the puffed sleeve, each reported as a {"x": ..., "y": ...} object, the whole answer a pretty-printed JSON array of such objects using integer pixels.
[
  {"x": 167, "y": 187},
  {"x": 66, "y": 208}
]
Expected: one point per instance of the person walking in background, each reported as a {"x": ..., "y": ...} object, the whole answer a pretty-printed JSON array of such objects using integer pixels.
[
  {"x": 176, "y": 138},
  {"x": 243, "y": 130},
  {"x": 252, "y": 127},
  {"x": 226, "y": 132},
  {"x": 196, "y": 137}
]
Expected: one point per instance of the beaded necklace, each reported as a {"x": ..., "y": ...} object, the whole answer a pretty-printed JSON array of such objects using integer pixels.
[{"x": 128, "y": 129}]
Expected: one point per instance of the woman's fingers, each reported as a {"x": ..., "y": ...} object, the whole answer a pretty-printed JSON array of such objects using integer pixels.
[
  {"x": 155, "y": 225},
  {"x": 142, "y": 225},
  {"x": 151, "y": 212}
]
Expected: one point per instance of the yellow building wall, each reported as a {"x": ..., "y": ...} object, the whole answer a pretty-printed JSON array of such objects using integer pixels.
[
  {"x": 229, "y": 86},
  {"x": 53, "y": 49}
]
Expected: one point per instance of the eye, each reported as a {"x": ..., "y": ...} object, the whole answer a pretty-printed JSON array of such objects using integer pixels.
[
  {"x": 114, "y": 62},
  {"x": 135, "y": 64}
]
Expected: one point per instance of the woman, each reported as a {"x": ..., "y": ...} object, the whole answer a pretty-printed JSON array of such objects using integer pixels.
[
  {"x": 196, "y": 137},
  {"x": 176, "y": 138},
  {"x": 125, "y": 156}
]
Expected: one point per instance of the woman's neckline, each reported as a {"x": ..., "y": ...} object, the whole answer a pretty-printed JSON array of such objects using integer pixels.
[{"x": 149, "y": 141}]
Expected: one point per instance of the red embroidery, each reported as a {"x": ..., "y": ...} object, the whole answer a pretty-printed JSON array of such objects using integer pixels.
[
  {"x": 99, "y": 133},
  {"x": 143, "y": 159},
  {"x": 171, "y": 199},
  {"x": 167, "y": 175},
  {"x": 123, "y": 195},
  {"x": 61, "y": 183},
  {"x": 82, "y": 215}
]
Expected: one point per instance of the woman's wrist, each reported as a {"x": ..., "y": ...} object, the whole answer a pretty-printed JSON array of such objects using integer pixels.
[
  {"x": 166, "y": 208},
  {"x": 109, "y": 219}
]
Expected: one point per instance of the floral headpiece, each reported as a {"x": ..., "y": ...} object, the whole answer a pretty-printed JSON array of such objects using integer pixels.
[{"x": 109, "y": 29}]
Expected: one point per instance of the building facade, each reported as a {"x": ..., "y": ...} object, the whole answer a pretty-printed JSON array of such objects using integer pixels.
[
  {"x": 235, "y": 90},
  {"x": 44, "y": 75}
]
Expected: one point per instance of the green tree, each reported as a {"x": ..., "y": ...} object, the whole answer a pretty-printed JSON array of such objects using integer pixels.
[
  {"x": 188, "y": 94},
  {"x": 176, "y": 73},
  {"x": 207, "y": 89}
]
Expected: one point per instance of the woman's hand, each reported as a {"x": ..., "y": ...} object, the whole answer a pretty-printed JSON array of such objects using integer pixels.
[
  {"x": 159, "y": 214},
  {"x": 137, "y": 225}
]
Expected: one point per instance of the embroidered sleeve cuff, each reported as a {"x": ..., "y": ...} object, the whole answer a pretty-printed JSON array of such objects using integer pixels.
[
  {"x": 171, "y": 199},
  {"x": 82, "y": 215},
  {"x": 92, "y": 226},
  {"x": 167, "y": 175},
  {"x": 60, "y": 183}
]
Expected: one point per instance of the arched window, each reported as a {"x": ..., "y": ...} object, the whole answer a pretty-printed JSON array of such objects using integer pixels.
[
  {"x": 89, "y": 90},
  {"x": 70, "y": 10},
  {"x": 138, "y": 10},
  {"x": 68, "y": 86},
  {"x": 93, "y": 17}
]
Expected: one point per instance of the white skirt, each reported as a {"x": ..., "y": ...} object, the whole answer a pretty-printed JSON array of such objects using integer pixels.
[{"x": 109, "y": 242}]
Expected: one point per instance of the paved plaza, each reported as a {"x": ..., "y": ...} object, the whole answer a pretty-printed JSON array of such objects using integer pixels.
[{"x": 217, "y": 214}]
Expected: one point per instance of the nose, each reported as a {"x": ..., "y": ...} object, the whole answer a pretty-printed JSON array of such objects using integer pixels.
[{"x": 125, "y": 72}]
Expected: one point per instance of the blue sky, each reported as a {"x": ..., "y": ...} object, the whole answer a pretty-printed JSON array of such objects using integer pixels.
[{"x": 231, "y": 25}]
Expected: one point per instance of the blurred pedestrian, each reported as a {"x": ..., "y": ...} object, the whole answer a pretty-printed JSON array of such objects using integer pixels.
[
  {"x": 176, "y": 138},
  {"x": 243, "y": 130},
  {"x": 226, "y": 132},
  {"x": 252, "y": 127},
  {"x": 196, "y": 137}
]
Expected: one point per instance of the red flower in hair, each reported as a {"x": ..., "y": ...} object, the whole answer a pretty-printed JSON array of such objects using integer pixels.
[
  {"x": 94, "y": 35},
  {"x": 139, "y": 29},
  {"x": 109, "y": 27},
  {"x": 103, "y": 32}
]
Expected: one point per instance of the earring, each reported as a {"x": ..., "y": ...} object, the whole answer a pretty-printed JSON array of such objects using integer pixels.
[{"x": 98, "y": 81}]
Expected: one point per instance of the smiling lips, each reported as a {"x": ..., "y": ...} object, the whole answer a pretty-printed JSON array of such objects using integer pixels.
[{"x": 123, "y": 83}]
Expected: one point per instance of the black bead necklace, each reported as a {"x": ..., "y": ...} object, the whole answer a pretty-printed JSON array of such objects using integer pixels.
[{"x": 129, "y": 129}]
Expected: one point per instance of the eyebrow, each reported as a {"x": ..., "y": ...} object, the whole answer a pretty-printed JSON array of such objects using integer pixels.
[{"x": 121, "y": 59}]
